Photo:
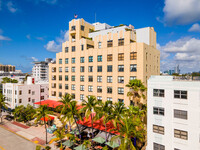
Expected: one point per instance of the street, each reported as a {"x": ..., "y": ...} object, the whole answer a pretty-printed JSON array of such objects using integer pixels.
[{"x": 11, "y": 141}]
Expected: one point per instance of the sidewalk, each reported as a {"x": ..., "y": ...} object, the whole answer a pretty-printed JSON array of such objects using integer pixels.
[{"x": 34, "y": 134}]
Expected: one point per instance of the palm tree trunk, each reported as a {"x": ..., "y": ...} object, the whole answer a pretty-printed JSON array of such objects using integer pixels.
[
  {"x": 77, "y": 127},
  {"x": 1, "y": 114},
  {"x": 92, "y": 126},
  {"x": 106, "y": 132},
  {"x": 70, "y": 126},
  {"x": 45, "y": 129}
]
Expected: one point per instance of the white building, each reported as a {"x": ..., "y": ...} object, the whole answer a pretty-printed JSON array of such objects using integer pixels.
[
  {"x": 24, "y": 94},
  {"x": 40, "y": 70},
  {"x": 173, "y": 114}
]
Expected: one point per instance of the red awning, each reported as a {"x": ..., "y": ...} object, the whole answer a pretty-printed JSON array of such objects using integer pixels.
[
  {"x": 49, "y": 103},
  {"x": 47, "y": 119},
  {"x": 98, "y": 125}
]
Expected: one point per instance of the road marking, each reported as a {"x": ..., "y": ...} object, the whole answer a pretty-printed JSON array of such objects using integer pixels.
[{"x": 2, "y": 148}]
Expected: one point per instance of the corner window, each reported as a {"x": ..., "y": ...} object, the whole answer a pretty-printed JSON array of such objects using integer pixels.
[
  {"x": 157, "y": 146},
  {"x": 180, "y": 94},
  {"x": 73, "y": 28},
  {"x": 158, "y": 129},
  {"x": 158, "y": 111},
  {"x": 158, "y": 92}
]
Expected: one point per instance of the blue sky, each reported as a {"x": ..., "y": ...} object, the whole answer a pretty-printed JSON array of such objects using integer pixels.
[{"x": 34, "y": 29}]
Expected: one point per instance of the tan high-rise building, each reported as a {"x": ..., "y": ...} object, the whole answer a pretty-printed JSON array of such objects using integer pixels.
[
  {"x": 100, "y": 59},
  {"x": 7, "y": 68}
]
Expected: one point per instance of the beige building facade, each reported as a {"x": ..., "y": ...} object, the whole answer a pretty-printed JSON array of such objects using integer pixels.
[
  {"x": 7, "y": 68},
  {"x": 100, "y": 59}
]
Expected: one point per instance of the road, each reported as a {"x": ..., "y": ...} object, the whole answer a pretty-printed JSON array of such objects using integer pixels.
[{"x": 11, "y": 141}]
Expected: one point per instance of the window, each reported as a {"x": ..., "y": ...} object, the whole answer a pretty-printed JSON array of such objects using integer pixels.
[
  {"x": 60, "y": 77},
  {"x": 158, "y": 111},
  {"x": 82, "y": 78},
  {"x": 109, "y": 57},
  {"x": 120, "y": 90},
  {"x": 132, "y": 77},
  {"x": 120, "y": 68},
  {"x": 158, "y": 146},
  {"x": 20, "y": 100},
  {"x": 99, "y": 45},
  {"x": 29, "y": 92},
  {"x": 109, "y": 89},
  {"x": 99, "y": 78},
  {"x": 90, "y": 78},
  {"x": 66, "y": 78},
  {"x": 109, "y": 43},
  {"x": 90, "y": 58},
  {"x": 60, "y": 86},
  {"x": 133, "y": 68},
  {"x": 180, "y": 94},
  {"x": 42, "y": 90},
  {"x": 73, "y": 48},
  {"x": 73, "y": 69},
  {"x": 60, "y": 69},
  {"x": 82, "y": 27},
  {"x": 158, "y": 129},
  {"x": 73, "y": 78},
  {"x": 121, "y": 57},
  {"x": 33, "y": 92},
  {"x": 82, "y": 47},
  {"x": 81, "y": 87},
  {"x": 90, "y": 69},
  {"x": 60, "y": 94},
  {"x": 120, "y": 42},
  {"x": 120, "y": 79},
  {"x": 73, "y": 28},
  {"x": 121, "y": 100},
  {"x": 133, "y": 55},
  {"x": 29, "y": 99},
  {"x": 82, "y": 60},
  {"x": 99, "y": 89},
  {"x": 66, "y": 60},
  {"x": 81, "y": 97},
  {"x": 66, "y": 49},
  {"x": 158, "y": 92},
  {"x": 73, "y": 60},
  {"x": 99, "y": 98},
  {"x": 73, "y": 86},
  {"x": 109, "y": 68},
  {"x": 66, "y": 69},
  {"x": 99, "y": 68},
  {"x": 109, "y": 98},
  {"x": 90, "y": 88},
  {"x": 66, "y": 86},
  {"x": 99, "y": 58},
  {"x": 82, "y": 68},
  {"x": 181, "y": 134},
  {"x": 181, "y": 114},
  {"x": 109, "y": 79},
  {"x": 60, "y": 61}
]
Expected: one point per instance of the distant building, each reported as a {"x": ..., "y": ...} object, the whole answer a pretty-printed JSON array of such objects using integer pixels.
[
  {"x": 23, "y": 94},
  {"x": 6, "y": 68},
  {"x": 40, "y": 70},
  {"x": 173, "y": 113},
  {"x": 176, "y": 69},
  {"x": 169, "y": 72}
]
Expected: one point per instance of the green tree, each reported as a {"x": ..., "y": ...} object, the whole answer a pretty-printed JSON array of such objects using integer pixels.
[
  {"x": 89, "y": 107},
  {"x": 136, "y": 91},
  {"x": 3, "y": 104},
  {"x": 60, "y": 135},
  {"x": 105, "y": 112},
  {"x": 8, "y": 80},
  {"x": 43, "y": 112},
  {"x": 87, "y": 144}
]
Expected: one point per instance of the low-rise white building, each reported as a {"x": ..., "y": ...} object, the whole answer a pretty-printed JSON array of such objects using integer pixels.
[
  {"x": 24, "y": 94},
  {"x": 173, "y": 109}
]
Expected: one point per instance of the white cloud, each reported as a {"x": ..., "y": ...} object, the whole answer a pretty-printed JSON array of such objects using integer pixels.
[
  {"x": 46, "y": 1},
  {"x": 181, "y": 12},
  {"x": 56, "y": 45},
  {"x": 184, "y": 51},
  {"x": 11, "y": 7},
  {"x": 4, "y": 38},
  {"x": 34, "y": 59},
  {"x": 163, "y": 55},
  {"x": 195, "y": 28},
  {"x": 28, "y": 36},
  {"x": 40, "y": 38}
]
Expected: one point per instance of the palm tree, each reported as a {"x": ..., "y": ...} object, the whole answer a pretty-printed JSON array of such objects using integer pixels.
[
  {"x": 60, "y": 135},
  {"x": 66, "y": 100},
  {"x": 118, "y": 111},
  {"x": 3, "y": 103},
  {"x": 128, "y": 129},
  {"x": 105, "y": 112},
  {"x": 137, "y": 90},
  {"x": 135, "y": 111},
  {"x": 43, "y": 112},
  {"x": 89, "y": 107},
  {"x": 87, "y": 144}
]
